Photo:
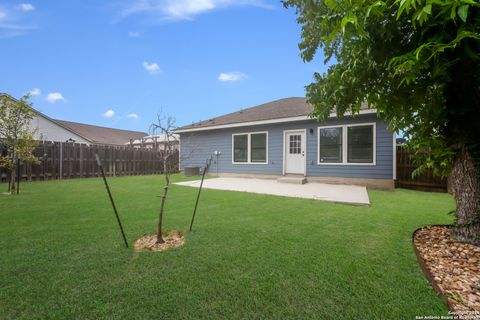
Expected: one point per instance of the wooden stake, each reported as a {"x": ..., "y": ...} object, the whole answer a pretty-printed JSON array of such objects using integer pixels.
[
  {"x": 111, "y": 199},
  {"x": 199, "y": 191}
]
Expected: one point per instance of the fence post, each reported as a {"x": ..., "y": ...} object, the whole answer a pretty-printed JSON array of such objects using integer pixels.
[
  {"x": 80, "y": 164},
  {"x": 60, "y": 169},
  {"x": 114, "y": 161}
]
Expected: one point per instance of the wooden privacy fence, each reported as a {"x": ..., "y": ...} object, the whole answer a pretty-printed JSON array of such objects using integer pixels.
[
  {"x": 424, "y": 182},
  {"x": 63, "y": 160}
]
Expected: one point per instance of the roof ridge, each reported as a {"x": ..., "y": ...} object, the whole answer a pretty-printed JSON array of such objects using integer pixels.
[
  {"x": 50, "y": 119},
  {"x": 94, "y": 125},
  {"x": 250, "y": 108}
]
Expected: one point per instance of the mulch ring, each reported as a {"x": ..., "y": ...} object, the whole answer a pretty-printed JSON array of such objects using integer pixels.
[
  {"x": 451, "y": 266},
  {"x": 173, "y": 239}
]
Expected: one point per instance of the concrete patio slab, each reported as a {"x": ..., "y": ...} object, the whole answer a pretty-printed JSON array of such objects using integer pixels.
[{"x": 348, "y": 194}]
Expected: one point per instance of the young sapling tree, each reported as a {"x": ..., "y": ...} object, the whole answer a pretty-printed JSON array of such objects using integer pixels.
[
  {"x": 163, "y": 129},
  {"x": 16, "y": 136}
]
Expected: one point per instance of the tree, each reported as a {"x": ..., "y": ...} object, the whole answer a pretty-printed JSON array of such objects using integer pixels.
[
  {"x": 16, "y": 137},
  {"x": 163, "y": 129},
  {"x": 418, "y": 63}
]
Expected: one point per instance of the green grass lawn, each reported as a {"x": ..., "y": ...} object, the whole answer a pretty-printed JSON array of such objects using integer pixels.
[{"x": 249, "y": 256}]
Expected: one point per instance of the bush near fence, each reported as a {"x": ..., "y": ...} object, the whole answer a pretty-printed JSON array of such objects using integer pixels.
[
  {"x": 426, "y": 181},
  {"x": 64, "y": 160}
]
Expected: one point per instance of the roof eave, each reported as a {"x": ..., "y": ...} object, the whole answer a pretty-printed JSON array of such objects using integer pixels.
[{"x": 262, "y": 122}]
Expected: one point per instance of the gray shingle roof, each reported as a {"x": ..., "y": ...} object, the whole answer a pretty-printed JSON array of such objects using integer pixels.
[
  {"x": 102, "y": 135},
  {"x": 278, "y": 109},
  {"x": 283, "y": 108}
]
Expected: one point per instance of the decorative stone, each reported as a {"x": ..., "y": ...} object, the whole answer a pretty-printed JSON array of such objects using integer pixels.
[
  {"x": 472, "y": 298},
  {"x": 455, "y": 266}
]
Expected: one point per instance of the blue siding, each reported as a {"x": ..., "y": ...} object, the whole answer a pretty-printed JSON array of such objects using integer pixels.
[{"x": 196, "y": 147}]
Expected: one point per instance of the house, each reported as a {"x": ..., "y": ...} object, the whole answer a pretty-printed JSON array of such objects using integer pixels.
[
  {"x": 101, "y": 135},
  {"x": 48, "y": 129},
  {"x": 155, "y": 142},
  {"x": 278, "y": 138}
]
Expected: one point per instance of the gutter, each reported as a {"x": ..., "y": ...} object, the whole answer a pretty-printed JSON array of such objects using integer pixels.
[{"x": 262, "y": 122}]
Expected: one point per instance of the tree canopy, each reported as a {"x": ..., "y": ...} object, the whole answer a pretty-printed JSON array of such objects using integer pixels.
[
  {"x": 415, "y": 61},
  {"x": 418, "y": 63}
]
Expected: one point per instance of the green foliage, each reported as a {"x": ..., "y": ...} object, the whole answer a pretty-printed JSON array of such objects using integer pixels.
[
  {"x": 415, "y": 61},
  {"x": 15, "y": 134}
]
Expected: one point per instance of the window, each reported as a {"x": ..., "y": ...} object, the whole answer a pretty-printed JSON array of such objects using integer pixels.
[
  {"x": 250, "y": 147},
  {"x": 360, "y": 144},
  {"x": 258, "y": 147},
  {"x": 331, "y": 145},
  {"x": 240, "y": 148},
  {"x": 347, "y": 144},
  {"x": 295, "y": 146}
]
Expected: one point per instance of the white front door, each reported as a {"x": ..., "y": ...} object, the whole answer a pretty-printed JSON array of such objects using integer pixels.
[{"x": 295, "y": 145}]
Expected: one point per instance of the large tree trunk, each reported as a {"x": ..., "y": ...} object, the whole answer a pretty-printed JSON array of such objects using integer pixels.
[
  {"x": 463, "y": 137},
  {"x": 464, "y": 182}
]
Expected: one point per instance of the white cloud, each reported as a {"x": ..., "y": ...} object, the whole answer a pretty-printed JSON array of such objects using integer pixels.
[
  {"x": 54, "y": 97},
  {"x": 231, "y": 76},
  {"x": 184, "y": 9},
  {"x": 132, "y": 34},
  {"x": 109, "y": 113},
  {"x": 132, "y": 116},
  {"x": 11, "y": 25},
  {"x": 35, "y": 92},
  {"x": 151, "y": 67},
  {"x": 26, "y": 7}
]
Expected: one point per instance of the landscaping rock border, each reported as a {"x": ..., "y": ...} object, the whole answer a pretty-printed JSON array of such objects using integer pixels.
[{"x": 452, "y": 267}]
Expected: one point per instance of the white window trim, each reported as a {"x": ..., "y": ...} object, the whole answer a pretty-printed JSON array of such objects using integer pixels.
[
  {"x": 345, "y": 145},
  {"x": 249, "y": 153}
]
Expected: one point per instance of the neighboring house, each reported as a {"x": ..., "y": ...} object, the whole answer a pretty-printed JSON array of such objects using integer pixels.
[
  {"x": 278, "y": 138},
  {"x": 48, "y": 129},
  {"x": 102, "y": 135},
  {"x": 155, "y": 141}
]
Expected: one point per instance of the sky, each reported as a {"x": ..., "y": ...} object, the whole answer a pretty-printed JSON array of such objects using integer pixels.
[{"x": 119, "y": 63}]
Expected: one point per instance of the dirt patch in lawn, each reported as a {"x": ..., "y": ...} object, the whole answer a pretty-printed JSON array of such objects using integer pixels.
[
  {"x": 173, "y": 239},
  {"x": 452, "y": 267}
]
